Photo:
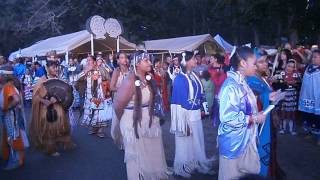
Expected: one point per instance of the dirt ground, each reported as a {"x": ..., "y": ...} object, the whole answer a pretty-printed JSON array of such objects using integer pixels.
[{"x": 96, "y": 158}]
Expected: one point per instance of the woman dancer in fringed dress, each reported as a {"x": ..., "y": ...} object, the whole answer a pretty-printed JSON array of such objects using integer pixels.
[
  {"x": 97, "y": 106},
  {"x": 118, "y": 75},
  {"x": 141, "y": 131},
  {"x": 186, "y": 121}
]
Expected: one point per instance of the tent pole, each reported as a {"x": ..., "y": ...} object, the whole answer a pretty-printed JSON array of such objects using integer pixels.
[
  {"x": 92, "y": 48},
  {"x": 118, "y": 44},
  {"x": 162, "y": 56},
  {"x": 67, "y": 57},
  {"x": 205, "y": 49}
]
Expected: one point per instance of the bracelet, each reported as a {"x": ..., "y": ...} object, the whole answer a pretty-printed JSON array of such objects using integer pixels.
[{"x": 252, "y": 120}]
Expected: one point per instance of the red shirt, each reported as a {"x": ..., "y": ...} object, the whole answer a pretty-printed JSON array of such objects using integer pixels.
[{"x": 217, "y": 77}]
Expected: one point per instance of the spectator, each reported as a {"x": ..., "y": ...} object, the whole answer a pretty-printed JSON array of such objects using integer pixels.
[
  {"x": 174, "y": 68},
  {"x": 20, "y": 68},
  {"x": 309, "y": 102},
  {"x": 27, "y": 81},
  {"x": 39, "y": 70},
  {"x": 279, "y": 65},
  {"x": 208, "y": 87},
  {"x": 2, "y": 60},
  {"x": 202, "y": 65},
  {"x": 289, "y": 105},
  {"x": 216, "y": 69}
]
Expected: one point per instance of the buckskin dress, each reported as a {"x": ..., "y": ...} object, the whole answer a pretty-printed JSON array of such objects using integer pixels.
[{"x": 144, "y": 156}]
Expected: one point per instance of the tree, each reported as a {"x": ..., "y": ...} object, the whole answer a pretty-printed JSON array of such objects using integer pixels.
[{"x": 24, "y": 22}]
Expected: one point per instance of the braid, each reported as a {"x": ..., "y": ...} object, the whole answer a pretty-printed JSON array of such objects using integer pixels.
[
  {"x": 137, "y": 111},
  {"x": 151, "y": 102}
]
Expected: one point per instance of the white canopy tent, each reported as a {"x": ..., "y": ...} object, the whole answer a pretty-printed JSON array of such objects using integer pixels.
[
  {"x": 224, "y": 44},
  {"x": 78, "y": 42},
  {"x": 181, "y": 44}
]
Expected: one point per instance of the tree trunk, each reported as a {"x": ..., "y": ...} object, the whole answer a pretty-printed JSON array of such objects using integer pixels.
[
  {"x": 293, "y": 37},
  {"x": 194, "y": 21},
  {"x": 204, "y": 23},
  {"x": 318, "y": 39},
  {"x": 256, "y": 36},
  {"x": 279, "y": 32},
  {"x": 234, "y": 22},
  {"x": 235, "y": 31}
]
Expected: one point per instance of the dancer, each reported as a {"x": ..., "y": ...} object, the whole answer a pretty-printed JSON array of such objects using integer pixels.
[
  {"x": 141, "y": 131},
  {"x": 14, "y": 139},
  {"x": 120, "y": 72},
  {"x": 50, "y": 124},
  {"x": 186, "y": 121},
  {"x": 118, "y": 75},
  {"x": 166, "y": 88},
  {"x": 267, "y": 139},
  {"x": 98, "y": 104},
  {"x": 239, "y": 117},
  {"x": 72, "y": 71}
]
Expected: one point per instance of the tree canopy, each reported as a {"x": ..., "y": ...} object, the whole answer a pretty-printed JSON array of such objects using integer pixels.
[{"x": 24, "y": 22}]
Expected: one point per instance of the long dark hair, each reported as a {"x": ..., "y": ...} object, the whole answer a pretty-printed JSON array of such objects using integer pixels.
[
  {"x": 288, "y": 55},
  {"x": 220, "y": 58},
  {"x": 137, "y": 109}
]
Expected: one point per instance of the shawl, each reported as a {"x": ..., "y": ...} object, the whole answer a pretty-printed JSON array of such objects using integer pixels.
[{"x": 263, "y": 90}]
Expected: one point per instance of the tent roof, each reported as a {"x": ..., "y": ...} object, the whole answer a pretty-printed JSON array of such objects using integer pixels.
[
  {"x": 75, "y": 42},
  {"x": 176, "y": 45},
  {"x": 224, "y": 44}
]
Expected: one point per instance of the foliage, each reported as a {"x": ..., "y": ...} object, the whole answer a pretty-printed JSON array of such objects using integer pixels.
[{"x": 24, "y": 22}]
